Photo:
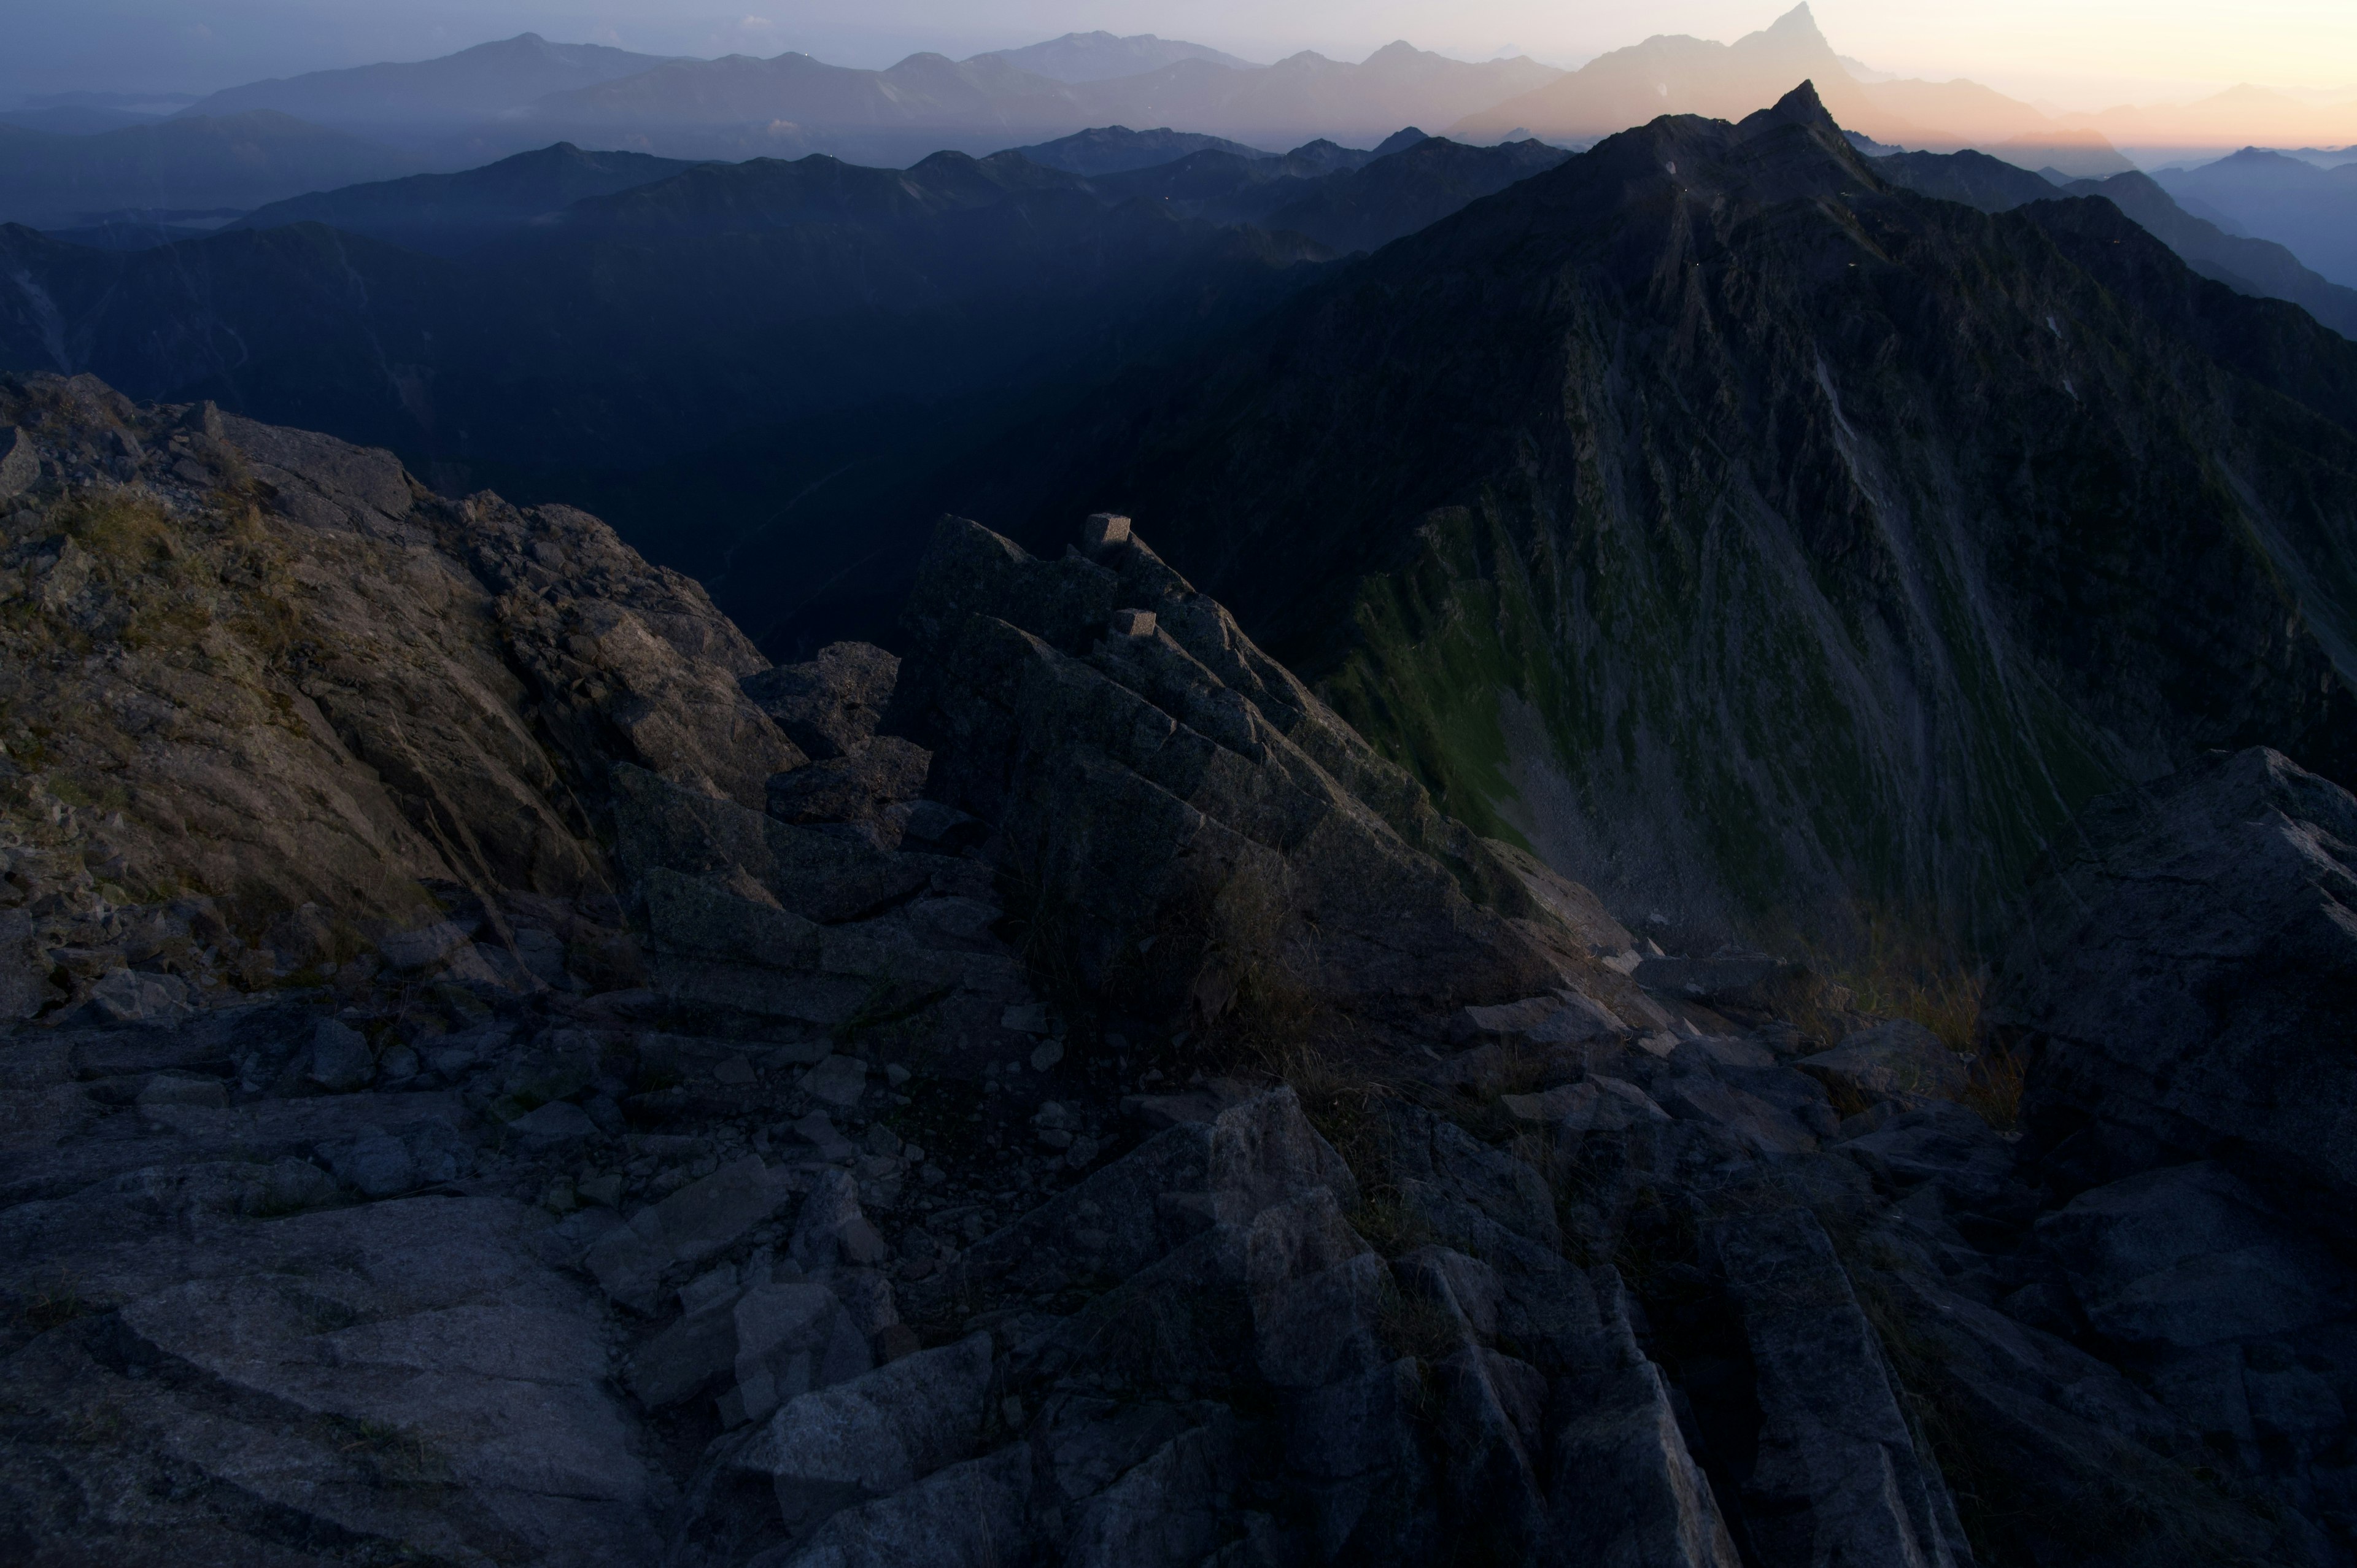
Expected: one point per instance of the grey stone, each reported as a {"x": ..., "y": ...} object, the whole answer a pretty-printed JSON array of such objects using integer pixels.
[
  {"x": 1132, "y": 623},
  {"x": 130, "y": 996},
  {"x": 1838, "y": 1478},
  {"x": 2188, "y": 1257},
  {"x": 1103, "y": 529},
  {"x": 1166, "y": 1513},
  {"x": 839, "y": 1081},
  {"x": 1154, "y": 781},
  {"x": 970, "y": 1514},
  {"x": 840, "y": 1446},
  {"x": 1763, "y": 1127},
  {"x": 791, "y": 1338},
  {"x": 340, "y": 1059},
  {"x": 23, "y": 983},
  {"x": 426, "y": 1328},
  {"x": 555, "y": 1126},
  {"x": 422, "y": 947},
  {"x": 1623, "y": 1487},
  {"x": 182, "y": 1089},
  {"x": 1894, "y": 1060},
  {"x": 689, "y": 1358},
  {"x": 378, "y": 1165},
  {"x": 831, "y": 1227},
  {"x": 705, "y": 915},
  {"x": 1593, "y": 1104},
  {"x": 818, "y": 1130},
  {"x": 828, "y": 706},
  {"x": 700, "y": 1219},
  {"x": 20, "y": 463},
  {"x": 292, "y": 1184},
  {"x": 1941, "y": 1143},
  {"x": 2176, "y": 972},
  {"x": 853, "y": 788}
]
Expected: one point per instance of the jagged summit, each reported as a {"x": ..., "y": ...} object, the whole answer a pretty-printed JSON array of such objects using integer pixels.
[{"x": 1662, "y": 489}]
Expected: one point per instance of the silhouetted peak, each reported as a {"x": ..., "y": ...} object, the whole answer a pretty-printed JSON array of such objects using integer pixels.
[
  {"x": 1400, "y": 140},
  {"x": 1793, "y": 26},
  {"x": 1802, "y": 106}
]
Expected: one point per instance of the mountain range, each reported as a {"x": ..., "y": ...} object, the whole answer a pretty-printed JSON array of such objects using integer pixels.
[
  {"x": 770, "y": 371},
  {"x": 2312, "y": 211},
  {"x": 1764, "y": 543},
  {"x": 2257, "y": 267},
  {"x": 486, "y": 102}
]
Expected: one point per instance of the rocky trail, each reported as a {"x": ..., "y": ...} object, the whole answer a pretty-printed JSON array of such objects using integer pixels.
[{"x": 499, "y": 1074}]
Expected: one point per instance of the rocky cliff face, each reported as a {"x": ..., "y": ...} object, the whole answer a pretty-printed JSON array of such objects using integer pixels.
[
  {"x": 1058, "y": 1097},
  {"x": 1765, "y": 545}
]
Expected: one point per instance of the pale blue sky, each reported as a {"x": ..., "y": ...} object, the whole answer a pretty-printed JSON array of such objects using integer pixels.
[{"x": 2078, "y": 53}]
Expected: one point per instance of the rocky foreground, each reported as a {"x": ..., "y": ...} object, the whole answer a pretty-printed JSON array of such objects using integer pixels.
[{"x": 500, "y": 1074}]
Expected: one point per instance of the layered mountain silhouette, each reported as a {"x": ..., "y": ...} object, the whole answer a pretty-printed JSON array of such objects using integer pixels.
[
  {"x": 2258, "y": 267},
  {"x": 2311, "y": 211},
  {"x": 1766, "y": 543},
  {"x": 449, "y": 214},
  {"x": 1102, "y": 56},
  {"x": 1764, "y": 539},
  {"x": 1679, "y": 75},
  {"x": 1116, "y": 149},
  {"x": 741, "y": 105},
  {"x": 619, "y": 308},
  {"x": 477, "y": 84},
  {"x": 649, "y": 321}
]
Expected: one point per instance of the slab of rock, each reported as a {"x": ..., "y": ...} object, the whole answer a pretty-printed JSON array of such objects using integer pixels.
[
  {"x": 130, "y": 996},
  {"x": 854, "y": 788},
  {"x": 2180, "y": 966},
  {"x": 1159, "y": 787},
  {"x": 839, "y": 1081},
  {"x": 2190, "y": 1256},
  {"x": 841, "y": 1447},
  {"x": 1838, "y": 1478},
  {"x": 420, "y": 1339},
  {"x": 1593, "y": 1104},
  {"x": 829, "y": 705},
  {"x": 1897, "y": 1060},
  {"x": 698, "y": 1220},
  {"x": 790, "y": 1338}
]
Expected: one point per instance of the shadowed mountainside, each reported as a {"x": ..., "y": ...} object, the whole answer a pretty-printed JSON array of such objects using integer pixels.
[
  {"x": 2257, "y": 267},
  {"x": 1767, "y": 545}
]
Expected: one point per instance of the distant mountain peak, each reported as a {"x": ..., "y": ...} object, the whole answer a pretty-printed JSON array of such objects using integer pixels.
[
  {"x": 1802, "y": 106},
  {"x": 1797, "y": 23}
]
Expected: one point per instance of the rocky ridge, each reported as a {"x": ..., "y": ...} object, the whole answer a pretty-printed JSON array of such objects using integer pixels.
[{"x": 1059, "y": 1097}]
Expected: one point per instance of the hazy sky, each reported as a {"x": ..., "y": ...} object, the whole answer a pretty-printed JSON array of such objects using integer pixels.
[{"x": 2076, "y": 53}]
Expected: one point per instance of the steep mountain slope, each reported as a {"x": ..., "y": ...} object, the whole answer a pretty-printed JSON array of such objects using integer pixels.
[
  {"x": 2256, "y": 268},
  {"x": 477, "y": 83},
  {"x": 449, "y": 214},
  {"x": 1770, "y": 546},
  {"x": 234, "y": 161},
  {"x": 1102, "y": 56}
]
